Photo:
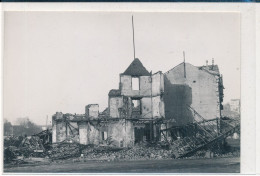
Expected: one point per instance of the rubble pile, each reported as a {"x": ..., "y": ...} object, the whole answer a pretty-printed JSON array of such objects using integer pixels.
[
  {"x": 31, "y": 146},
  {"x": 13, "y": 141},
  {"x": 178, "y": 147},
  {"x": 32, "y": 142},
  {"x": 138, "y": 152},
  {"x": 10, "y": 153},
  {"x": 64, "y": 150},
  {"x": 46, "y": 137},
  {"x": 22, "y": 146},
  {"x": 17, "y": 149},
  {"x": 146, "y": 151}
]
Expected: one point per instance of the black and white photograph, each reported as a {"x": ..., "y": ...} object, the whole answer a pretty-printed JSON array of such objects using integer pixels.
[{"x": 121, "y": 92}]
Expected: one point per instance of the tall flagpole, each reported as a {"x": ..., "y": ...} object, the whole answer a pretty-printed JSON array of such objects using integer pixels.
[{"x": 133, "y": 35}]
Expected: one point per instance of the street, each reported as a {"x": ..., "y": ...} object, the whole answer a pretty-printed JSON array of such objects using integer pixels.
[{"x": 215, "y": 165}]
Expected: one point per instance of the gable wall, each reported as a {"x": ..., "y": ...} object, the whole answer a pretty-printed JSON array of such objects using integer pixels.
[{"x": 199, "y": 90}]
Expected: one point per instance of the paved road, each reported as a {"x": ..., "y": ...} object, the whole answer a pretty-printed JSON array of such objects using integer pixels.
[{"x": 217, "y": 165}]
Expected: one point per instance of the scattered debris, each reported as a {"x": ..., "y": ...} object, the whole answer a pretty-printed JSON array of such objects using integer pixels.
[
  {"x": 137, "y": 152},
  {"x": 64, "y": 150},
  {"x": 12, "y": 141},
  {"x": 31, "y": 146},
  {"x": 20, "y": 150},
  {"x": 46, "y": 137},
  {"x": 10, "y": 154}
]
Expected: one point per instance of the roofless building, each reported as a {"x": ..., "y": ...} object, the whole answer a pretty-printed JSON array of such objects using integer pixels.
[{"x": 144, "y": 105}]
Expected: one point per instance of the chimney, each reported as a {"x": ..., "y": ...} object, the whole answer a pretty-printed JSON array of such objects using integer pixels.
[
  {"x": 212, "y": 64},
  {"x": 207, "y": 62}
]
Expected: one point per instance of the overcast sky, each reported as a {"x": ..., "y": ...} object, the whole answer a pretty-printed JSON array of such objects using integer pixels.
[{"x": 62, "y": 61}]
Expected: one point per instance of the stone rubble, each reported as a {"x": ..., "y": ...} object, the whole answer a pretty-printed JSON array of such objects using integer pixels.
[{"x": 71, "y": 150}]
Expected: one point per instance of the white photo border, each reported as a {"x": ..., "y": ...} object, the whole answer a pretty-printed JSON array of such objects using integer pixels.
[{"x": 250, "y": 24}]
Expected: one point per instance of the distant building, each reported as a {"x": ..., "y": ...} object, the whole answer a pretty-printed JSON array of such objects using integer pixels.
[
  {"x": 24, "y": 127},
  {"x": 8, "y": 128},
  {"x": 235, "y": 105},
  {"x": 22, "y": 121}
]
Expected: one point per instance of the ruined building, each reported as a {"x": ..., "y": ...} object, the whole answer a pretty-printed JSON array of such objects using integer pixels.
[
  {"x": 198, "y": 87},
  {"x": 144, "y": 105}
]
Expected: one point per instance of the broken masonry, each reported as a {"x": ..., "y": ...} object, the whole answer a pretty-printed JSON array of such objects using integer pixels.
[{"x": 183, "y": 103}]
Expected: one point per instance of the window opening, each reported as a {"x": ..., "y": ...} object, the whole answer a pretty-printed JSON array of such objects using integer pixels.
[
  {"x": 135, "y": 83},
  {"x": 136, "y": 104}
]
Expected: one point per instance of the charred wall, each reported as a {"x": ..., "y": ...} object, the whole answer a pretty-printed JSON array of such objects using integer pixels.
[{"x": 176, "y": 99}]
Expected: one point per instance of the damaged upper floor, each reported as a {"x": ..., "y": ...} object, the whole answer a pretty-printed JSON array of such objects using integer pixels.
[{"x": 146, "y": 97}]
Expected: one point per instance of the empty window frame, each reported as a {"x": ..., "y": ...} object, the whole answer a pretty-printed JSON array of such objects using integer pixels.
[
  {"x": 135, "y": 83},
  {"x": 136, "y": 103}
]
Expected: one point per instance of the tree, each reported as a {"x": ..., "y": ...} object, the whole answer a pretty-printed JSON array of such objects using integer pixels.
[
  {"x": 8, "y": 128},
  {"x": 26, "y": 127}
]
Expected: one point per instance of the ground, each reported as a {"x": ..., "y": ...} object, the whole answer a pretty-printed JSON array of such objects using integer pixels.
[{"x": 215, "y": 165}]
